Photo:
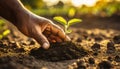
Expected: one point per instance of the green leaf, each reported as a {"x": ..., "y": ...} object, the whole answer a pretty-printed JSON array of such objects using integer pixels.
[
  {"x": 68, "y": 31},
  {"x": 60, "y": 20},
  {"x": 73, "y": 21}
]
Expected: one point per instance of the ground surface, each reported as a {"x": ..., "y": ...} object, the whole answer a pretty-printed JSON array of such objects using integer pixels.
[{"x": 95, "y": 45}]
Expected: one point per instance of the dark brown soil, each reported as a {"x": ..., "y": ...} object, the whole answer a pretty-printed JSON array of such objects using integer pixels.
[
  {"x": 92, "y": 47},
  {"x": 60, "y": 51}
]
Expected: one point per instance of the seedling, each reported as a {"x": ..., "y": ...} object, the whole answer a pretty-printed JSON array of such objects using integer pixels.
[{"x": 66, "y": 23}]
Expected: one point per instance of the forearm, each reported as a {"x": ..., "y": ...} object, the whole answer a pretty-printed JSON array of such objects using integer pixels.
[{"x": 12, "y": 10}]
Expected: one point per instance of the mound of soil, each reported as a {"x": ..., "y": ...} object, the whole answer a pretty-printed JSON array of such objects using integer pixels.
[
  {"x": 105, "y": 65},
  {"x": 60, "y": 51}
]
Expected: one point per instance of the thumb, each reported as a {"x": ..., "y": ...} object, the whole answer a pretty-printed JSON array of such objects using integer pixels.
[{"x": 40, "y": 38}]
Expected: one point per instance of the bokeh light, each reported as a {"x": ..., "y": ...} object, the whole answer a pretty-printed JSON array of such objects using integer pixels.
[{"x": 79, "y": 3}]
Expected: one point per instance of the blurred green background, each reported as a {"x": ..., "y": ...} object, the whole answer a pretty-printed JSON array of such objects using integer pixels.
[
  {"x": 68, "y": 9},
  {"x": 73, "y": 8}
]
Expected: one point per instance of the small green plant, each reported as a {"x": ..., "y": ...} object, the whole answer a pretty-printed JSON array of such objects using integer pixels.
[{"x": 66, "y": 23}]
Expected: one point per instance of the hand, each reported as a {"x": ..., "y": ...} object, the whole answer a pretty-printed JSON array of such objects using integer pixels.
[
  {"x": 42, "y": 30},
  {"x": 39, "y": 28}
]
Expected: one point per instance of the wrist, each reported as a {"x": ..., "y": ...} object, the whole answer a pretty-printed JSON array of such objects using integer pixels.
[{"x": 13, "y": 11}]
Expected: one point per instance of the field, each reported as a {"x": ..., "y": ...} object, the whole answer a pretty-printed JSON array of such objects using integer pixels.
[{"x": 95, "y": 45}]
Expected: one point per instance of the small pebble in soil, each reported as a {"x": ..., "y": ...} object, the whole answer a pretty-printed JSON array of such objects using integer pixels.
[
  {"x": 110, "y": 48},
  {"x": 79, "y": 40},
  {"x": 116, "y": 39},
  {"x": 105, "y": 65},
  {"x": 110, "y": 58},
  {"x": 91, "y": 61},
  {"x": 117, "y": 58},
  {"x": 85, "y": 36},
  {"x": 95, "y": 54},
  {"x": 95, "y": 47},
  {"x": 98, "y": 38}
]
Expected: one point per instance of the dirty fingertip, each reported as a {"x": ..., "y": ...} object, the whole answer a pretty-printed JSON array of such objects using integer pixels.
[{"x": 46, "y": 45}]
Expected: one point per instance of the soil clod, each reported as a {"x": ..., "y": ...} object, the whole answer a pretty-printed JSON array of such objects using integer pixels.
[
  {"x": 110, "y": 58},
  {"x": 79, "y": 40},
  {"x": 91, "y": 60},
  {"x": 98, "y": 38},
  {"x": 95, "y": 47},
  {"x": 116, "y": 39},
  {"x": 110, "y": 48},
  {"x": 60, "y": 51},
  {"x": 117, "y": 58},
  {"x": 105, "y": 65}
]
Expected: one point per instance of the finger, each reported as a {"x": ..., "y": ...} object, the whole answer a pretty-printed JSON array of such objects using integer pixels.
[
  {"x": 40, "y": 38},
  {"x": 56, "y": 38},
  {"x": 56, "y": 30},
  {"x": 51, "y": 40},
  {"x": 51, "y": 36},
  {"x": 47, "y": 34}
]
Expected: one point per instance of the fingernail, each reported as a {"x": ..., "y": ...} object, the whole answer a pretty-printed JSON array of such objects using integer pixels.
[{"x": 46, "y": 45}]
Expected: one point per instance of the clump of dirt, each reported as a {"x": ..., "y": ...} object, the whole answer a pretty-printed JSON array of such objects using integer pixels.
[
  {"x": 98, "y": 38},
  {"x": 105, "y": 65},
  {"x": 117, "y": 39},
  {"x": 110, "y": 48},
  {"x": 117, "y": 58},
  {"x": 110, "y": 59},
  {"x": 96, "y": 47},
  {"x": 91, "y": 61},
  {"x": 60, "y": 51}
]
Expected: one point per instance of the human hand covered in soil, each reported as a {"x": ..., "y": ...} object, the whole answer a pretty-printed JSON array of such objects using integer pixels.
[{"x": 41, "y": 29}]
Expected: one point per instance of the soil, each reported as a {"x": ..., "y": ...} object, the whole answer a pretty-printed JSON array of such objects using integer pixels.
[
  {"x": 60, "y": 51},
  {"x": 92, "y": 47}
]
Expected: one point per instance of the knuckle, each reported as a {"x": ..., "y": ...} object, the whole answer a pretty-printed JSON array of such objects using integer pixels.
[{"x": 47, "y": 21}]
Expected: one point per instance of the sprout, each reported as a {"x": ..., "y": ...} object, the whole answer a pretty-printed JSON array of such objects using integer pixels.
[{"x": 67, "y": 24}]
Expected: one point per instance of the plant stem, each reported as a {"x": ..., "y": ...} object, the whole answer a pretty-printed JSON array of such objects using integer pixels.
[{"x": 66, "y": 28}]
